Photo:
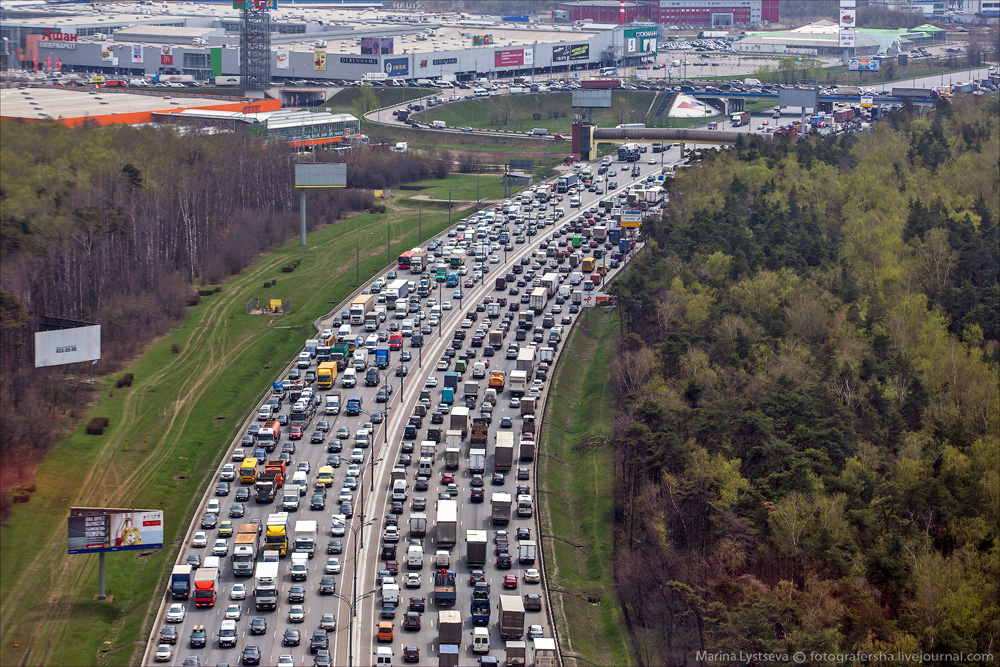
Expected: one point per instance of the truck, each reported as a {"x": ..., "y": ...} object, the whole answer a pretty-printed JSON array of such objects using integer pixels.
[
  {"x": 451, "y": 380},
  {"x": 925, "y": 93},
  {"x": 526, "y": 549},
  {"x": 565, "y": 183},
  {"x": 382, "y": 357},
  {"x": 518, "y": 383},
  {"x": 206, "y": 581},
  {"x": 266, "y": 488},
  {"x": 475, "y": 548},
  {"x": 740, "y": 118},
  {"x": 450, "y": 627},
  {"x": 180, "y": 582},
  {"x": 290, "y": 498},
  {"x": 332, "y": 405},
  {"x": 279, "y": 391},
  {"x": 438, "y": 125},
  {"x": 245, "y": 549},
  {"x": 460, "y": 420},
  {"x": 480, "y": 605},
  {"x": 477, "y": 461},
  {"x": 470, "y": 388},
  {"x": 444, "y": 588},
  {"x": 447, "y": 522},
  {"x": 360, "y": 307},
  {"x": 497, "y": 381},
  {"x": 496, "y": 338},
  {"x": 546, "y": 354},
  {"x": 265, "y": 589},
  {"x": 354, "y": 402},
  {"x": 843, "y": 115},
  {"x": 401, "y": 307},
  {"x": 528, "y": 406},
  {"x": 526, "y": 448},
  {"x": 276, "y": 535},
  {"x": 526, "y": 359},
  {"x": 524, "y": 505},
  {"x": 418, "y": 261},
  {"x": 544, "y": 649},
  {"x": 279, "y": 466},
  {"x": 503, "y": 451},
  {"x": 397, "y": 289},
  {"x": 306, "y": 533},
  {"x": 418, "y": 525},
  {"x": 500, "y": 508},
  {"x": 480, "y": 430},
  {"x": 326, "y": 375},
  {"x": 538, "y": 299},
  {"x": 451, "y": 457},
  {"x": 601, "y": 83},
  {"x": 339, "y": 355},
  {"x": 511, "y": 617}
]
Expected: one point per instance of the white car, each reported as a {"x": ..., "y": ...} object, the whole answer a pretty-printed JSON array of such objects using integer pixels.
[
  {"x": 163, "y": 653},
  {"x": 200, "y": 539},
  {"x": 285, "y": 661},
  {"x": 345, "y": 496},
  {"x": 531, "y": 576},
  {"x": 391, "y": 534},
  {"x": 515, "y": 402},
  {"x": 238, "y": 592},
  {"x": 535, "y": 631},
  {"x": 220, "y": 548},
  {"x": 413, "y": 580},
  {"x": 494, "y": 259},
  {"x": 357, "y": 455},
  {"x": 214, "y": 506},
  {"x": 433, "y": 320},
  {"x": 446, "y": 305},
  {"x": 431, "y": 382},
  {"x": 176, "y": 613},
  {"x": 228, "y": 473},
  {"x": 332, "y": 566},
  {"x": 354, "y": 470},
  {"x": 233, "y": 612},
  {"x": 296, "y": 614}
]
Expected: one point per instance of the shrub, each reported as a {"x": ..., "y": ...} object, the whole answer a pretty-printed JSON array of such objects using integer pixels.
[
  {"x": 174, "y": 349},
  {"x": 97, "y": 426},
  {"x": 205, "y": 291},
  {"x": 193, "y": 299},
  {"x": 267, "y": 284},
  {"x": 218, "y": 288},
  {"x": 27, "y": 487},
  {"x": 20, "y": 497}
]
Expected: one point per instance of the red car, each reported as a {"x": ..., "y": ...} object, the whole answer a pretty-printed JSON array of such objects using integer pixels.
[
  {"x": 295, "y": 433},
  {"x": 510, "y": 581},
  {"x": 558, "y": 137},
  {"x": 393, "y": 567},
  {"x": 447, "y": 478}
]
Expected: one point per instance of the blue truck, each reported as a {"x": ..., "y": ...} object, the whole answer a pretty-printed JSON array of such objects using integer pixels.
[
  {"x": 452, "y": 280},
  {"x": 614, "y": 235},
  {"x": 353, "y": 406},
  {"x": 382, "y": 357},
  {"x": 480, "y": 606},
  {"x": 180, "y": 582}
]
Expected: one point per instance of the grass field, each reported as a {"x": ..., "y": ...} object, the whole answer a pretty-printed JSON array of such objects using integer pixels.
[
  {"x": 460, "y": 188},
  {"x": 167, "y": 433},
  {"x": 576, "y": 490}
]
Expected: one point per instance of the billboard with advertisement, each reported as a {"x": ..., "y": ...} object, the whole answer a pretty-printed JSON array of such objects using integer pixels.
[
  {"x": 847, "y": 38},
  {"x": 166, "y": 55},
  {"x": 377, "y": 46},
  {"x": 67, "y": 346},
  {"x": 508, "y": 58},
  {"x": 319, "y": 60},
  {"x": 396, "y": 66},
  {"x": 137, "y": 54},
  {"x": 848, "y": 18},
  {"x": 579, "y": 52},
  {"x": 97, "y": 529},
  {"x": 863, "y": 65},
  {"x": 560, "y": 54},
  {"x": 282, "y": 59},
  {"x": 640, "y": 40}
]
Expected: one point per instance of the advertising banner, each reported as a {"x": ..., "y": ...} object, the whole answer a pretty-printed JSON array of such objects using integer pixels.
[
  {"x": 377, "y": 46},
  {"x": 508, "y": 58},
  {"x": 282, "y": 59},
  {"x": 560, "y": 54},
  {"x": 862, "y": 65},
  {"x": 166, "y": 55},
  {"x": 579, "y": 52},
  {"x": 529, "y": 58},
  {"x": 640, "y": 40},
  {"x": 93, "y": 530},
  {"x": 396, "y": 66},
  {"x": 482, "y": 40},
  {"x": 137, "y": 54},
  {"x": 319, "y": 60},
  {"x": 847, "y": 38},
  {"x": 107, "y": 51},
  {"x": 867, "y": 101},
  {"x": 67, "y": 346},
  {"x": 848, "y": 18}
]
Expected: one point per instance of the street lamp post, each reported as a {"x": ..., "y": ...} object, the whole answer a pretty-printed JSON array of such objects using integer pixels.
[{"x": 352, "y": 604}]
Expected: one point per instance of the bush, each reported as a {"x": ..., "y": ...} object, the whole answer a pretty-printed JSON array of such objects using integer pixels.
[
  {"x": 27, "y": 487},
  {"x": 267, "y": 284},
  {"x": 97, "y": 426},
  {"x": 174, "y": 349},
  {"x": 205, "y": 291},
  {"x": 287, "y": 269},
  {"x": 193, "y": 299},
  {"x": 125, "y": 380},
  {"x": 20, "y": 497},
  {"x": 218, "y": 288}
]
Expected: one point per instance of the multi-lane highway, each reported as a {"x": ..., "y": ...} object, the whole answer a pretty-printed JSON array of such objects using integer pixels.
[{"x": 360, "y": 548}]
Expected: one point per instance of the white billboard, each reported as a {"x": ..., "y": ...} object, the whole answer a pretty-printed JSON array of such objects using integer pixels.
[{"x": 67, "y": 346}]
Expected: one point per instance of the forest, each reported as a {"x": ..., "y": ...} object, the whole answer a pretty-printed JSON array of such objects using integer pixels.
[
  {"x": 807, "y": 450},
  {"x": 120, "y": 226}
]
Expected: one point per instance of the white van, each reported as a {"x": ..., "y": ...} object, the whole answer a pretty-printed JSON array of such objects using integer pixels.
[
  {"x": 399, "y": 490},
  {"x": 480, "y": 640},
  {"x": 360, "y": 359},
  {"x": 343, "y": 333},
  {"x": 481, "y": 92},
  {"x": 300, "y": 478},
  {"x": 371, "y": 342},
  {"x": 407, "y": 328},
  {"x": 415, "y": 557},
  {"x": 383, "y": 657},
  {"x": 212, "y": 561},
  {"x": 332, "y": 404},
  {"x": 303, "y": 360},
  {"x": 574, "y": 201},
  {"x": 349, "y": 379},
  {"x": 424, "y": 466}
]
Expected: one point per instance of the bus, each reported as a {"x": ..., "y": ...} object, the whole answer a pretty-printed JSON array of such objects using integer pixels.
[
  {"x": 403, "y": 261},
  {"x": 608, "y": 71}
]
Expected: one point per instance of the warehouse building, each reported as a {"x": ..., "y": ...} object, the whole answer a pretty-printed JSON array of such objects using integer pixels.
[
  {"x": 686, "y": 13},
  {"x": 822, "y": 38}
]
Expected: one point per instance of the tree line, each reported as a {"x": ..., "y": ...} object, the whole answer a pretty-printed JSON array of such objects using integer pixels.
[
  {"x": 119, "y": 225},
  {"x": 808, "y": 443}
]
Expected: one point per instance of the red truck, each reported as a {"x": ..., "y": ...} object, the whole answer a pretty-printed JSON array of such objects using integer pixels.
[
  {"x": 843, "y": 115},
  {"x": 279, "y": 466},
  {"x": 395, "y": 341},
  {"x": 601, "y": 83},
  {"x": 595, "y": 278},
  {"x": 205, "y": 580}
]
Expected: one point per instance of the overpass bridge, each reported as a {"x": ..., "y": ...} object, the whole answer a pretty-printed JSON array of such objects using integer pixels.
[
  {"x": 587, "y": 137},
  {"x": 732, "y": 102}
]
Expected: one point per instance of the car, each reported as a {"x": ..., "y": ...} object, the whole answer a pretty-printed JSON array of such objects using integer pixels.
[
  {"x": 411, "y": 620},
  {"x": 388, "y": 611},
  {"x": 413, "y": 580},
  {"x": 510, "y": 581},
  {"x": 419, "y": 504},
  {"x": 168, "y": 635},
  {"x": 477, "y": 481},
  {"x": 317, "y": 502},
  {"x": 292, "y": 637},
  {"x": 209, "y": 521},
  {"x": 194, "y": 560},
  {"x": 477, "y": 496},
  {"x": 391, "y": 520},
  {"x": 323, "y": 659},
  {"x": 176, "y": 613},
  {"x": 228, "y": 473},
  {"x": 191, "y": 660},
  {"x": 532, "y": 576},
  {"x": 198, "y": 638},
  {"x": 258, "y": 625},
  {"x": 251, "y": 655},
  {"x": 297, "y": 593},
  {"x": 319, "y": 641},
  {"x": 447, "y": 478},
  {"x": 296, "y": 614},
  {"x": 506, "y": 422},
  {"x": 242, "y": 495},
  {"x": 214, "y": 506},
  {"x": 411, "y": 654},
  {"x": 343, "y": 433},
  {"x": 327, "y": 585},
  {"x": 497, "y": 479},
  {"x": 220, "y": 548},
  {"x": 295, "y": 433},
  {"x": 199, "y": 540},
  {"x": 388, "y": 552},
  {"x": 504, "y": 562},
  {"x": 164, "y": 652},
  {"x": 524, "y": 533},
  {"x": 533, "y": 602},
  {"x": 432, "y": 381},
  {"x": 522, "y": 473},
  {"x": 233, "y": 612},
  {"x": 357, "y": 455},
  {"x": 238, "y": 592},
  {"x": 332, "y": 566}
]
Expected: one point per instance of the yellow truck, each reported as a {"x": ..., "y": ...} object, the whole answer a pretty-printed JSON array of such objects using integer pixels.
[
  {"x": 248, "y": 470},
  {"x": 497, "y": 380},
  {"x": 326, "y": 375}
]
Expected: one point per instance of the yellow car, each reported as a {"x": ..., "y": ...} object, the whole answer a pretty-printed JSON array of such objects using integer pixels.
[{"x": 226, "y": 529}]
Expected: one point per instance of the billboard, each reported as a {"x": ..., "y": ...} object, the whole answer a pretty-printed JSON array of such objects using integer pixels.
[
  {"x": 282, "y": 56},
  {"x": 137, "y": 54},
  {"x": 319, "y": 60},
  {"x": 862, "y": 65},
  {"x": 377, "y": 46},
  {"x": 560, "y": 54},
  {"x": 640, "y": 40},
  {"x": 166, "y": 55},
  {"x": 847, "y": 38},
  {"x": 97, "y": 529},
  {"x": 579, "y": 52},
  {"x": 482, "y": 40},
  {"x": 67, "y": 346},
  {"x": 396, "y": 66},
  {"x": 848, "y": 18},
  {"x": 508, "y": 58}
]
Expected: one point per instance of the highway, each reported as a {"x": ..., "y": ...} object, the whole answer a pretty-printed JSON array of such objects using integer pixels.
[{"x": 356, "y": 584}]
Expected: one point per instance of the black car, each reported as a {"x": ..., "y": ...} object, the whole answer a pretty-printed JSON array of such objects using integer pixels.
[
  {"x": 198, "y": 637},
  {"x": 322, "y": 659},
  {"x": 251, "y": 655},
  {"x": 247, "y": 441},
  {"x": 497, "y": 479},
  {"x": 347, "y": 509},
  {"x": 291, "y": 637},
  {"x": 388, "y": 552},
  {"x": 411, "y": 654},
  {"x": 411, "y": 620},
  {"x": 258, "y": 625},
  {"x": 417, "y": 603},
  {"x": 319, "y": 641},
  {"x": 532, "y": 602},
  {"x": 297, "y": 593},
  {"x": 222, "y": 489},
  {"x": 317, "y": 502},
  {"x": 327, "y": 585},
  {"x": 238, "y": 509},
  {"x": 209, "y": 521},
  {"x": 335, "y": 546},
  {"x": 194, "y": 560},
  {"x": 168, "y": 635},
  {"x": 242, "y": 495},
  {"x": 397, "y": 507},
  {"x": 316, "y": 437},
  {"x": 503, "y": 561},
  {"x": 477, "y": 496}
]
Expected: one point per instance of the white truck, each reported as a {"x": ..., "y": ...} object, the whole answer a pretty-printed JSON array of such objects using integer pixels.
[
  {"x": 390, "y": 593},
  {"x": 415, "y": 557},
  {"x": 332, "y": 404},
  {"x": 306, "y": 532},
  {"x": 418, "y": 524}
]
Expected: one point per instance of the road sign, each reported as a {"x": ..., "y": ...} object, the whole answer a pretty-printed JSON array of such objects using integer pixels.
[
  {"x": 631, "y": 224},
  {"x": 591, "y": 299},
  {"x": 631, "y": 215}
]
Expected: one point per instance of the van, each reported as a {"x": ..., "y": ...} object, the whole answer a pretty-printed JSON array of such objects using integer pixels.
[
  {"x": 415, "y": 557},
  {"x": 399, "y": 490},
  {"x": 481, "y": 92},
  {"x": 290, "y": 498},
  {"x": 436, "y": 312},
  {"x": 265, "y": 413},
  {"x": 574, "y": 201},
  {"x": 343, "y": 333},
  {"x": 480, "y": 640},
  {"x": 332, "y": 404},
  {"x": 538, "y": 132},
  {"x": 407, "y": 328},
  {"x": 360, "y": 360},
  {"x": 384, "y": 631},
  {"x": 371, "y": 342},
  {"x": 303, "y": 360},
  {"x": 349, "y": 378},
  {"x": 383, "y": 657},
  {"x": 424, "y": 466},
  {"x": 324, "y": 476},
  {"x": 301, "y": 480},
  {"x": 212, "y": 561}
]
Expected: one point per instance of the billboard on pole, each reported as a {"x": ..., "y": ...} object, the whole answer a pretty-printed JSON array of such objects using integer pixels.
[
  {"x": 103, "y": 529},
  {"x": 67, "y": 346},
  {"x": 863, "y": 65}
]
